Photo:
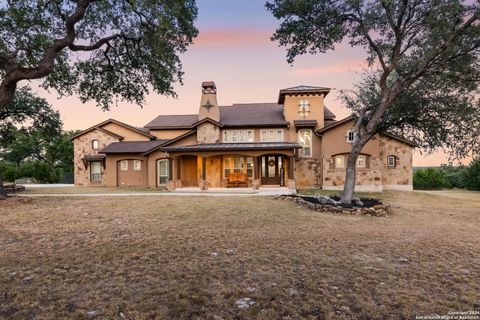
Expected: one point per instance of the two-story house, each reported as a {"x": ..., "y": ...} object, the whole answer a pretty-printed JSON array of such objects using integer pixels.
[{"x": 295, "y": 142}]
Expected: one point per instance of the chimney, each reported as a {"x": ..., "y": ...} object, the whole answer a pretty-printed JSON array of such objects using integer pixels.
[{"x": 208, "y": 103}]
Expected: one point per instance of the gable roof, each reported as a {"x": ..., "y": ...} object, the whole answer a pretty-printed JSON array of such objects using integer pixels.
[
  {"x": 132, "y": 146},
  {"x": 253, "y": 115},
  {"x": 177, "y": 121},
  {"x": 350, "y": 118},
  {"x": 142, "y": 131},
  {"x": 301, "y": 90}
]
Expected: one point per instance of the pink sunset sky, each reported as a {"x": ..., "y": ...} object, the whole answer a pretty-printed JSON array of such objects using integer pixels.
[{"x": 234, "y": 50}]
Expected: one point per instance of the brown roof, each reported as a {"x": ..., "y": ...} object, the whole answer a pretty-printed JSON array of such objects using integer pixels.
[
  {"x": 327, "y": 114},
  {"x": 94, "y": 157},
  {"x": 179, "y": 121},
  {"x": 132, "y": 146},
  {"x": 301, "y": 90},
  {"x": 305, "y": 123},
  {"x": 142, "y": 131},
  {"x": 252, "y": 115},
  {"x": 236, "y": 115},
  {"x": 234, "y": 147}
]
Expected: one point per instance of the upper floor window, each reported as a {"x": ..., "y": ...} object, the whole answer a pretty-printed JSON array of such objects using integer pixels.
[
  {"x": 238, "y": 136},
  {"x": 95, "y": 144},
  {"x": 350, "y": 136},
  {"x": 305, "y": 141},
  {"x": 304, "y": 108},
  {"x": 272, "y": 135},
  {"x": 391, "y": 161}
]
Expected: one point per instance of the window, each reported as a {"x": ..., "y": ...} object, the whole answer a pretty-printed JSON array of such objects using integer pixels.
[
  {"x": 272, "y": 135},
  {"x": 304, "y": 108},
  {"x": 163, "y": 171},
  {"x": 305, "y": 140},
  {"x": 350, "y": 136},
  {"x": 339, "y": 162},
  {"x": 137, "y": 165},
  {"x": 391, "y": 161},
  {"x": 249, "y": 167},
  {"x": 124, "y": 165},
  {"x": 95, "y": 171},
  {"x": 362, "y": 161},
  {"x": 226, "y": 165},
  {"x": 238, "y": 164},
  {"x": 95, "y": 144},
  {"x": 238, "y": 136}
]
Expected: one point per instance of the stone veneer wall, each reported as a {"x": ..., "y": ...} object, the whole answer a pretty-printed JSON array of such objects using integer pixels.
[
  {"x": 367, "y": 179},
  {"x": 378, "y": 175},
  {"x": 307, "y": 173},
  {"x": 401, "y": 176},
  {"x": 82, "y": 147},
  {"x": 208, "y": 133}
]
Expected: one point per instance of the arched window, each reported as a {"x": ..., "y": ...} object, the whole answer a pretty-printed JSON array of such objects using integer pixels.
[
  {"x": 391, "y": 161},
  {"x": 305, "y": 141},
  {"x": 95, "y": 144}
]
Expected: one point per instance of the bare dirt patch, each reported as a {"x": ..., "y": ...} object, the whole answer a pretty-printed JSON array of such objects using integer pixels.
[{"x": 209, "y": 258}]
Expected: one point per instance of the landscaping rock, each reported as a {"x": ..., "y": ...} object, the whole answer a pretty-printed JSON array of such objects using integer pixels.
[
  {"x": 92, "y": 314},
  {"x": 251, "y": 289},
  {"x": 292, "y": 292},
  {"x": 214, "y": 254},
  {"x": 244, "y": 303},
  {"x": 404, "y": 260}
]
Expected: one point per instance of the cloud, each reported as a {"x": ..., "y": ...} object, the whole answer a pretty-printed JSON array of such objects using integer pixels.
[{"x": 334, "y": 68}]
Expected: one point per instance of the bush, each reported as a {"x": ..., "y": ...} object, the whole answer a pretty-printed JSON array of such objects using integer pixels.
[
  {"x": 471, "y": 176},
  {"x": 454, "y": 175},
  {"x": 430, "y": 179}
]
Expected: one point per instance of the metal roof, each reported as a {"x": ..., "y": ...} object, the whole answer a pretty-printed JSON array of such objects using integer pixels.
[
  {"x": 234, "y": 147},
  {"x": 132, "y": 146}
]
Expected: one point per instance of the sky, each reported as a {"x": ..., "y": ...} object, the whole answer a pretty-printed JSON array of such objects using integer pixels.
[{"x": 234, "y": 50}]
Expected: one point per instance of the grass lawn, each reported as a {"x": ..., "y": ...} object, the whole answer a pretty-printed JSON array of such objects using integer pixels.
[
  {"x": 88, "y": 190},
  {"x": 151, "y": 258}
]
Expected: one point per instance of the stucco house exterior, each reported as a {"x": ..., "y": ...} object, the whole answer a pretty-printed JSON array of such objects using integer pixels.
[{"x": 295, "y": 142}]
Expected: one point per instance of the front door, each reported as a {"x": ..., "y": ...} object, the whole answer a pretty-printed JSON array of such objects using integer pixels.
[{"x": 271, "y": 167}]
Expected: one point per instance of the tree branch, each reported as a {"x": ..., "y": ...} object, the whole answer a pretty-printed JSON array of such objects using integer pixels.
[{"x": 95, "y": 46}]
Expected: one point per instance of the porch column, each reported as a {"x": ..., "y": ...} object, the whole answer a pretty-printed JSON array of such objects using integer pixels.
[
  {"x": 171, "y": 170},
  {"x": 291, "y": 173},
  {"x": 204, "y": 182},
  {"x": 291, "y": 167},
  {"x": 255, "y": 168}
]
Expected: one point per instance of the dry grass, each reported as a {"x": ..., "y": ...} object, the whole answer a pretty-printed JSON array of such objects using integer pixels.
[
  {"x": 88, "y": 190},
  {"x": 150, "y": 258}
]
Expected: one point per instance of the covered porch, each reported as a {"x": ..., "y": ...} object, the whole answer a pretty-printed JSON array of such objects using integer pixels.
[{"x": 214, "y": 169}]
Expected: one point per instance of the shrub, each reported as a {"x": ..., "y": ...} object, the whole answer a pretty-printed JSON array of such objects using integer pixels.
[
  {"x": 430, "y": 179},
  {"x": 454, "y": 175},
  {"x": 471, "y": 176}
]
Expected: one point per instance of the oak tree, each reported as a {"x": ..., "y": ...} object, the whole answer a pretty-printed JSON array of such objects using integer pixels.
[{"x": 424, "y": 71}]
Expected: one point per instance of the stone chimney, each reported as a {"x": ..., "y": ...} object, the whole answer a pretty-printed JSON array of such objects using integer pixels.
[{"x": 208, "y": 103}]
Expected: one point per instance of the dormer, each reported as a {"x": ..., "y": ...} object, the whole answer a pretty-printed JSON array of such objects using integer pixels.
[
  {"x": 208, "y": 102},
  {"x": 303, "y": 105}
]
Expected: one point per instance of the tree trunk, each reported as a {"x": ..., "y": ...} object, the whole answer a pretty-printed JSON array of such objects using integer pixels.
[
  {"x": 350, "y": 177},
  {"x": 3, "y": 194}
]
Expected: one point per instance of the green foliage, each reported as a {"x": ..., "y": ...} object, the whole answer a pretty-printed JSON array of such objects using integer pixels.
[
  {"x": 454, "y": 175},
  {"x": 430, "y": 179},
  {"x": 423, "y": 80},
  {"x": 471, "y": 176},
  {"x": 103, "y": 51}
]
